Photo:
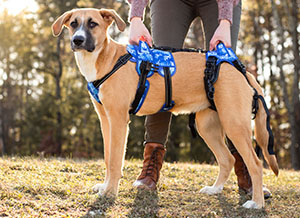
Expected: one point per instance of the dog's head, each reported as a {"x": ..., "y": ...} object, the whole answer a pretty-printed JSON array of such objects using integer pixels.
[{"x": 87, "y": 27}]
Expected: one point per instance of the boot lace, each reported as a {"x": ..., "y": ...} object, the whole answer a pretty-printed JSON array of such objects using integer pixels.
[{"x": 152, "y": 167}]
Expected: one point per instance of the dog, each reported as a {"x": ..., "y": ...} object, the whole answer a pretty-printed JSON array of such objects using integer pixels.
[{"x": 96, "y": 53}]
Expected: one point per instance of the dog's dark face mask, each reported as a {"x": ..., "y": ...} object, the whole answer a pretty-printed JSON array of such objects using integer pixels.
[{"x": 82, "y": 38}]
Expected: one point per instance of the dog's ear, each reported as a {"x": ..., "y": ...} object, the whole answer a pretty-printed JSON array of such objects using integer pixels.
[
  {"x": 57, "y": 26},
  {"x": 111, "y": 15}
]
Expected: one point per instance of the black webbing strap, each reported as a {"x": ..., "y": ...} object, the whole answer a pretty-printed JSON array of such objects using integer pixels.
[
  {"x": 145, "y": 68},
  {"x": 120, "y": 62},
  {"x": 168, "y": 89},
  {"x": 255, "y": 103},
  {"x": 257, "y": 149},
  {"x": 192, "y": 125},
  {"x": 211, "y": 74}
]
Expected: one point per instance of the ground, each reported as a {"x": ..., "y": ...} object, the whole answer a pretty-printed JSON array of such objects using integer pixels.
[{"x": 38, "y": 187}]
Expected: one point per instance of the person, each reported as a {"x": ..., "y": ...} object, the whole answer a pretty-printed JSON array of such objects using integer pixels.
[{"x": 170, "y": 22}]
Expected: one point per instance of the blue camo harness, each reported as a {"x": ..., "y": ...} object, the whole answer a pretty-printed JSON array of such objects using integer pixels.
[
  {"x": 162, "y": 62},
  {"x": 148, "y": 61}
]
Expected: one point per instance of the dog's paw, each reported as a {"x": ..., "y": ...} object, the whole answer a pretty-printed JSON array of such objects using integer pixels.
[
  {"x": 211, "y": 190},
  {"x": 105, "y": 190},
  {"x": 99, "y": 187},
  {"x": 251, "y": 205}
]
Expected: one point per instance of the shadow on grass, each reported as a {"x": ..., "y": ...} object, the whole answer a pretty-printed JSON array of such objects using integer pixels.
[
  {"x": 232, "y": 210},
  {"x": 99, "y": 207},
  {"x": 145, "y": 204}
]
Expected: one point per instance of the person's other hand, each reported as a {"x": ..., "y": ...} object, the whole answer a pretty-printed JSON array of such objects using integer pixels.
[
  {"x": 136, "y": 30},
  {"x": 222, "y": 34}
]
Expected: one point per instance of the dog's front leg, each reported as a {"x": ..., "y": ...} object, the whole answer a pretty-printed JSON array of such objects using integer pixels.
[
  {"x": 104, "y": 124},
  {"x": 118, "y": 128}
]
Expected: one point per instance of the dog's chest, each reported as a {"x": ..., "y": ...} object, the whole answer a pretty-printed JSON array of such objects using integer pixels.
[{"x": 87, "y": 64}]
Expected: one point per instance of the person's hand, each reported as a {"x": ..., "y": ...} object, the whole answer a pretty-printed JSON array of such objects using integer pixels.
[
  {"x": 222, "y": 34},
  {"x": 138, "y": 29}
]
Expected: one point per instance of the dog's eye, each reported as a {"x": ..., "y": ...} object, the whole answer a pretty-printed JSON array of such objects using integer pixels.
[
  {"x": 74, "y": 24},
  {"x": 92, "y": 24}
]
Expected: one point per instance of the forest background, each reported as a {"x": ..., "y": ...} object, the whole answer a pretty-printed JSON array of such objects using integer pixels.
[{"x": 45, "y": 108}]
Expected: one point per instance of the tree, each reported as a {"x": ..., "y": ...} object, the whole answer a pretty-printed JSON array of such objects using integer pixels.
[{"x": 291, "y": 98}]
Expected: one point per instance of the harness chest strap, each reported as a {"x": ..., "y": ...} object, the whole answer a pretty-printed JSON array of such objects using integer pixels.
[
  {"x": 143, "y": 86},
  {"x": 94, "y": 86}
]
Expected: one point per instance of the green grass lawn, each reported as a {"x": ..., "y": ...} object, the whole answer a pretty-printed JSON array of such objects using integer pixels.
[{"x": 35, "y": 187}]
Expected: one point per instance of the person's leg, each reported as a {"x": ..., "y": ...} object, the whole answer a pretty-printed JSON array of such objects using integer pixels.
[
  {"x": 170, "y": 21},
  {"x": 235, "y": 27}
]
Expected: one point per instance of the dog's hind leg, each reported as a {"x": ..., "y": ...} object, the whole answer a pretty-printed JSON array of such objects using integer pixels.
[
  {"x": 210, "y": 129},
  {"x": 233, "y": 99},
  {"x": 238, "y": 129},
  {"x": 105, "y": 134}
]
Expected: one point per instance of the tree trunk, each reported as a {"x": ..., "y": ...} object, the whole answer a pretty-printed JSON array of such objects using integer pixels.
[
  {"x": 2, "y": 146},
  {"x": 289, "y": 105},
  {"x": 58, "y": 76},
  {"x": 293, "y": 20},
  {"x": 6, "y": 109}
]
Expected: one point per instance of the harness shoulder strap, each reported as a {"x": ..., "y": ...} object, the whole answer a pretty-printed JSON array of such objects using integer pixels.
[{"x": 121, "y": 61}]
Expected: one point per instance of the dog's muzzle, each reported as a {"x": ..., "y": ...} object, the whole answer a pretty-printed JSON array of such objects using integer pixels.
[
  {"x": 78, "y": 40},
  {"x": 82, "y": 43}
]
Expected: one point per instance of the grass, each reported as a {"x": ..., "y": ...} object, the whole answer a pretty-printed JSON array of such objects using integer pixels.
[{"x": 34, "y": 187}]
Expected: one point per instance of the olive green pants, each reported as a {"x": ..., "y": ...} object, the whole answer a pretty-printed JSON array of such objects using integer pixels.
[{"x": 170, "y": 22}]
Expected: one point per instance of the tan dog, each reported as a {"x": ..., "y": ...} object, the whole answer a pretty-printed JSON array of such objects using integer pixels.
[{"x": 96, "y": 53}]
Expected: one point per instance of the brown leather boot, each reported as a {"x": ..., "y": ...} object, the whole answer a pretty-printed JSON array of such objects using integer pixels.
[
  {"x": 241, "y": 171},
  {"x": 153, "y": 159}
]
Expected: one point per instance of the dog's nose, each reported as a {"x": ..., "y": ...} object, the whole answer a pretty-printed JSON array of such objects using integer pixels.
[{"x": 78, "y": 40}]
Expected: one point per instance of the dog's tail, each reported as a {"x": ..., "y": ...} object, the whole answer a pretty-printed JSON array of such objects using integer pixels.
[{"x": 262, "y": 134}]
